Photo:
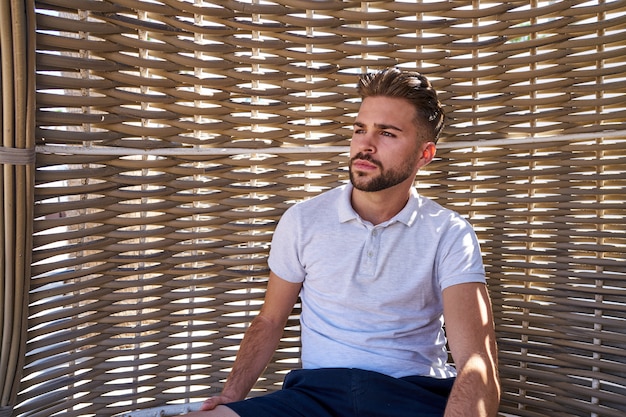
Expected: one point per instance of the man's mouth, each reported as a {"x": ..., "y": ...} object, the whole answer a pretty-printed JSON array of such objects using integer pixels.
[
  {"x": 364, "y": 162},
  {"x": 363, "y": 165}
]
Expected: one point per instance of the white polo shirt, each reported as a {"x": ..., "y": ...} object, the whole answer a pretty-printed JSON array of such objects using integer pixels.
[{"x": 372, "y": 295}]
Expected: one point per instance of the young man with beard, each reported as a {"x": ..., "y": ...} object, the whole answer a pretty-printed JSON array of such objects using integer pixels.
[{"x": 378, "y": 268}]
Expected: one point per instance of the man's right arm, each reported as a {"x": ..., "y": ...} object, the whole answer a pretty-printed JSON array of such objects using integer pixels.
[{"x": 259, "y": 342}]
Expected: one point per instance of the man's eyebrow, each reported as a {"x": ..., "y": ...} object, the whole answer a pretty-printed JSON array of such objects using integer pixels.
[{"x": 379, "y": 126}]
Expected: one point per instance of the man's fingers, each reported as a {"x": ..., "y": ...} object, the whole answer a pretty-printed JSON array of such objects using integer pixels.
[{"x": 209, "y": 404}]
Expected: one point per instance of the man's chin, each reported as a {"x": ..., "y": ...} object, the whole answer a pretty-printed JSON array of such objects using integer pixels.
[{"x": 365, "y": 186}]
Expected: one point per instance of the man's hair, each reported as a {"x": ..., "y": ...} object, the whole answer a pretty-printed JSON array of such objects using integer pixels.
[{"x": 411, "y": 86}]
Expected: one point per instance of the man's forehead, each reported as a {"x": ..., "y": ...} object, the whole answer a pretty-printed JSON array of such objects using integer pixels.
[{"x": 382, "y": 111}]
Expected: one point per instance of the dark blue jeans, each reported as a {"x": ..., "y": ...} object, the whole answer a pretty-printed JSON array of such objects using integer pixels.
[{"x": 340, "y": 392}]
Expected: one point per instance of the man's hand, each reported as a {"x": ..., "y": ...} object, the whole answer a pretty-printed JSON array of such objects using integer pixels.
[
  {"x": 214, "y": 407},
  {"x": 212, "y": 402}
]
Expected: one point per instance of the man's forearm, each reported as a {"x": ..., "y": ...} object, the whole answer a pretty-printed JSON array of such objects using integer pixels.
[
  {"x": 476, "y": 391},
  {"x": 256, "y": 350}
]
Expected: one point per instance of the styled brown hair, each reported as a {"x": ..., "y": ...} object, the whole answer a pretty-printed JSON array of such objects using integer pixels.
[{"x": 411, "y": 86}]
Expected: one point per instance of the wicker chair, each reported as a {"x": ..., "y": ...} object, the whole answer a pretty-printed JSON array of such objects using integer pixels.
[{"x": 149, "y": 147}]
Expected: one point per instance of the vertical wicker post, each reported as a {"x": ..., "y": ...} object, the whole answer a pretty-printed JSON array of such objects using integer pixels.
[{"x": 17, "y": 156}]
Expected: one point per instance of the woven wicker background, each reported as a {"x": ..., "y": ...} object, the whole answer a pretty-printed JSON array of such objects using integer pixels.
[{"x": 171, "y": 135}]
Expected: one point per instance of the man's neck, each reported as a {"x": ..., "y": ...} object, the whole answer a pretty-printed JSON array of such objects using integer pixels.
[{"x": 380, "y": 206}]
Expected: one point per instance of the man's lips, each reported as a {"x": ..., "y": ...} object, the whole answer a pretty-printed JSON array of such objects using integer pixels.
[
  {"x": 363, "y": 165},
  {"x": 364, "y": 162}
]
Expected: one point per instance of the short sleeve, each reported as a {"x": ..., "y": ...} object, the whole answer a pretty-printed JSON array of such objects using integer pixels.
[
  {"x": 284, "y": 258},
  {"x": 459, "y": 258}
]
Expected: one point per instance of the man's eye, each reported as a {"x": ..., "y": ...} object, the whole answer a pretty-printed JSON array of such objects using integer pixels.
[{"x": 389, "y": 134}]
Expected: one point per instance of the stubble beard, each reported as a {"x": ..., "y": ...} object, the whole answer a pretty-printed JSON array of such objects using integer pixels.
[{"x": 387, "y": 177}]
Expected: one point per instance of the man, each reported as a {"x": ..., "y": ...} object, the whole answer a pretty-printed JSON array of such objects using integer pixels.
[{"x": 378, "y": 268}]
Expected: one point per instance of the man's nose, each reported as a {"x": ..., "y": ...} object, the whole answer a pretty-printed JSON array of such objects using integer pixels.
[{"x": 365, "y": 143}]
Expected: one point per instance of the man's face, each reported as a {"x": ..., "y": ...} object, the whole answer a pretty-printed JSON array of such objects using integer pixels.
[{"x": 386, "y": 145}]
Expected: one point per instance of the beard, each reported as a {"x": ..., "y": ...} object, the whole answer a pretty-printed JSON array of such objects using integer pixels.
[{"x": 387, "y": 177}]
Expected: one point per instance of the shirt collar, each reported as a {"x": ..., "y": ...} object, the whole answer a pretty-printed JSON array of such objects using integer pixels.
[{"x": 407, "y": 216}]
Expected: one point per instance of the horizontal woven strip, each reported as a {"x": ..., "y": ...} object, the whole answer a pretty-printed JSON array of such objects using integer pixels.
[
  {"x": 304, "y": 150},
  {"x": 16, "y": 156}
]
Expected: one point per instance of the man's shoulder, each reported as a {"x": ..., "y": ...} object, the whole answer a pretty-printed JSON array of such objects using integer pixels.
[
  {"x": 313, "y": 214},
  {"x": 324, "y": 200},
  {"x": 431, "y": 209}
]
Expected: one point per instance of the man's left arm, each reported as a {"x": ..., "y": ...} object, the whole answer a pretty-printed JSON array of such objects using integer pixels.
[{"x": 471, "y": 338}]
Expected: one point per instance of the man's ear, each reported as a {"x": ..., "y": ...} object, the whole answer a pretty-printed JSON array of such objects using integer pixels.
[{"x": 429, "y": 149}]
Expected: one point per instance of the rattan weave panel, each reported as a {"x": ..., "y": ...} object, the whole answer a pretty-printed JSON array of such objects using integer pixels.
[{"x": 158, "y": 183}]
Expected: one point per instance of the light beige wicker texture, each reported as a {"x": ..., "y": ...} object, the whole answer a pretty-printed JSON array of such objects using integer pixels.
[{"x": 171, "y": 135}]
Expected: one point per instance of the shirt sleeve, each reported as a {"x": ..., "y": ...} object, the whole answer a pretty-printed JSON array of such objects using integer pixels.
[
  {"x": 284, "y": 257},
  {"x": 459, "y": 259}
]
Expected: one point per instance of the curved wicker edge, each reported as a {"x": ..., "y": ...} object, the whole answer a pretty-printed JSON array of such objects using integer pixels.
[
  {"x": 167, "y": 410},
  {"x": 17, "y": 157}
]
